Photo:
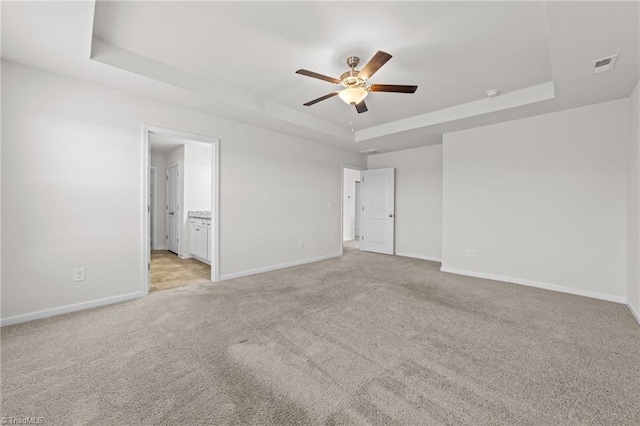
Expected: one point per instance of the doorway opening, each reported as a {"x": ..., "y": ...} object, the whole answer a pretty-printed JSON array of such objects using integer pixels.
[
  {"x": 351, "y": 208},
  {"x": 182, "y": 203}
]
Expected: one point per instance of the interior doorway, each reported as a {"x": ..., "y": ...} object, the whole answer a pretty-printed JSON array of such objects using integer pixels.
[
  {"x": 350, "y": 205},
  {"x": 181, "y": 203}
]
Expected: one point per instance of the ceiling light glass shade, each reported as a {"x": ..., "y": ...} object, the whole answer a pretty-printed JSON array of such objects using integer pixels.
[{"x": 353, "y": 95}]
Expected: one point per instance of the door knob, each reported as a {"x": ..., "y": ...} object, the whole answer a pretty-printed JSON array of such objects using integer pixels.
[
  {"x": 171, "y": 213},
  {"x": 390, "y": 214}
]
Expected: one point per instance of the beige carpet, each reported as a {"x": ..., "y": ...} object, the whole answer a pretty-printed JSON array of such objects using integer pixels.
[
  {"x": 363, "y": 339},
  {"x": 351, "y": 245}
]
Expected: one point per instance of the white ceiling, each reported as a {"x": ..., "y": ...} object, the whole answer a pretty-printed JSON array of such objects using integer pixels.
[
  {"x": 444, "y": 48},
  {"x": 237, "y": 60}
]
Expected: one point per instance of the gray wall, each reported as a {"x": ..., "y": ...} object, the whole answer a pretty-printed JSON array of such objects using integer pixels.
[
  {"x": 418, "y": 199},
  {"x": 542, "y": 200},
  {"x": 73, "y": 150}
]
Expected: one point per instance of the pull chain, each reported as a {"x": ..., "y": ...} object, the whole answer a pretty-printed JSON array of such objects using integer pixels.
[{"x": 353, "y": 113}]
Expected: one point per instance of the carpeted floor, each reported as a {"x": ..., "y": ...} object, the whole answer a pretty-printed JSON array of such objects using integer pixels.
[
  {"x": 362, "y": 339},
  {"x": 351, "y": 245}
]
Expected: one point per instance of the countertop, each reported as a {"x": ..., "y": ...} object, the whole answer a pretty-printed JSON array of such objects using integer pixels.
[{"x": 200, "y": 214}]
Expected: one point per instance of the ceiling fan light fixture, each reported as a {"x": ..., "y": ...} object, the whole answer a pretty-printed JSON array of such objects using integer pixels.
[
  {"x": 353, "y": 95},
  {"x": 355, "y": 82}
]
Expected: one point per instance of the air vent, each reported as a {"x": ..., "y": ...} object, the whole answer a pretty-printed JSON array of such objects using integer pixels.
[
  {"x": 603, "y": 65},
  {"x": 371, "y": 151}
]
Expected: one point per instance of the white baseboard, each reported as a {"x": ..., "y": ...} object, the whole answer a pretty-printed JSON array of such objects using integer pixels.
[
  {"x": 185, "y": 256},
  {"x": 554, "y": 287},
  {"x": 201, "y": 260},
  {"x": 159, "y": 248},
  {"x": 419, "y": 256},
  {"x": 280, "y": 266},
  {"x": 635, "y": 314},
  {"x": 69, "y": 308}
]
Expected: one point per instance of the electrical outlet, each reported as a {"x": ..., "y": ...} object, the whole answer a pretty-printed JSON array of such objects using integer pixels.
[
  {"x": 78, "y": 274},
  {"x": 467, "y": 252},
  {"x": 301, "y": 244},
  {"x": 474, "y": 253}
]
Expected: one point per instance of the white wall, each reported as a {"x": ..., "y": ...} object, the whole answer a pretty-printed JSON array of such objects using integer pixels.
[
  {"x": 159, "y": 161},
  {"x": 71, "y": 148},
  {"x": 543, "y": 200},
  {"x": 349, "y": 204},
  {"x": 197, "y": 176},
  {"x": 176, "y": 156},
  {"x": 633, "y": 256},
  {"x": 418, "y": 213},
  {"x": 197, "y": 187}
]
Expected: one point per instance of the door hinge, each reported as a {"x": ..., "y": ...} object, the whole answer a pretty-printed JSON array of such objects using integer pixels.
[
  {"x": 148, "y": 266},
  {"x": 166, "y": 237},
  {"x": 177, "y": 240},
  {"x": 166, "y": 177},
  {"x": 362, "y": 237}
]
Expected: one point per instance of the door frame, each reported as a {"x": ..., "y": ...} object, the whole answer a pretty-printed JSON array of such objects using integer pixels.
[
  {"x": 145, "y": 207},
  {"x": 154, "y": 208},
  {"x": 166, "y": 210},
  {"x": 358, "y": 195},
  {"x": 352, "y": 167}
]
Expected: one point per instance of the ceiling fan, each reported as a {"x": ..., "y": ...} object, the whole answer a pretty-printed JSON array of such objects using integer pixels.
[{"x": 355, "y": 82}]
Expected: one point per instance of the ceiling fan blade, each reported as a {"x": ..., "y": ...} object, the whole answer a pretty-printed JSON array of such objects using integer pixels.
[
  {"x": 395, "y": 88},
  {"x": 315, "y": 101},
  {"x": 361, "y": 107},
  {"x": 374, "y": 64},
  {"x": 318, "y": 76}
]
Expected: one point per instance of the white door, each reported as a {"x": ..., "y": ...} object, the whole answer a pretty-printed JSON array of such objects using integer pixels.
[
  {"x": 377, "y": 191},
  {"x": 358, "y": 209},
  {"x": 173, "y": 209}
]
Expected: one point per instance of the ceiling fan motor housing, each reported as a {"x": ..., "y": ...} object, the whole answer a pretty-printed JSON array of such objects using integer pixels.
[{"x": 353, "y": 61}]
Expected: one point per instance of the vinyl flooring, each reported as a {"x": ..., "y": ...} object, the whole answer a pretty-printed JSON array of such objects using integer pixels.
[{"x": 169, "y": 271}]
